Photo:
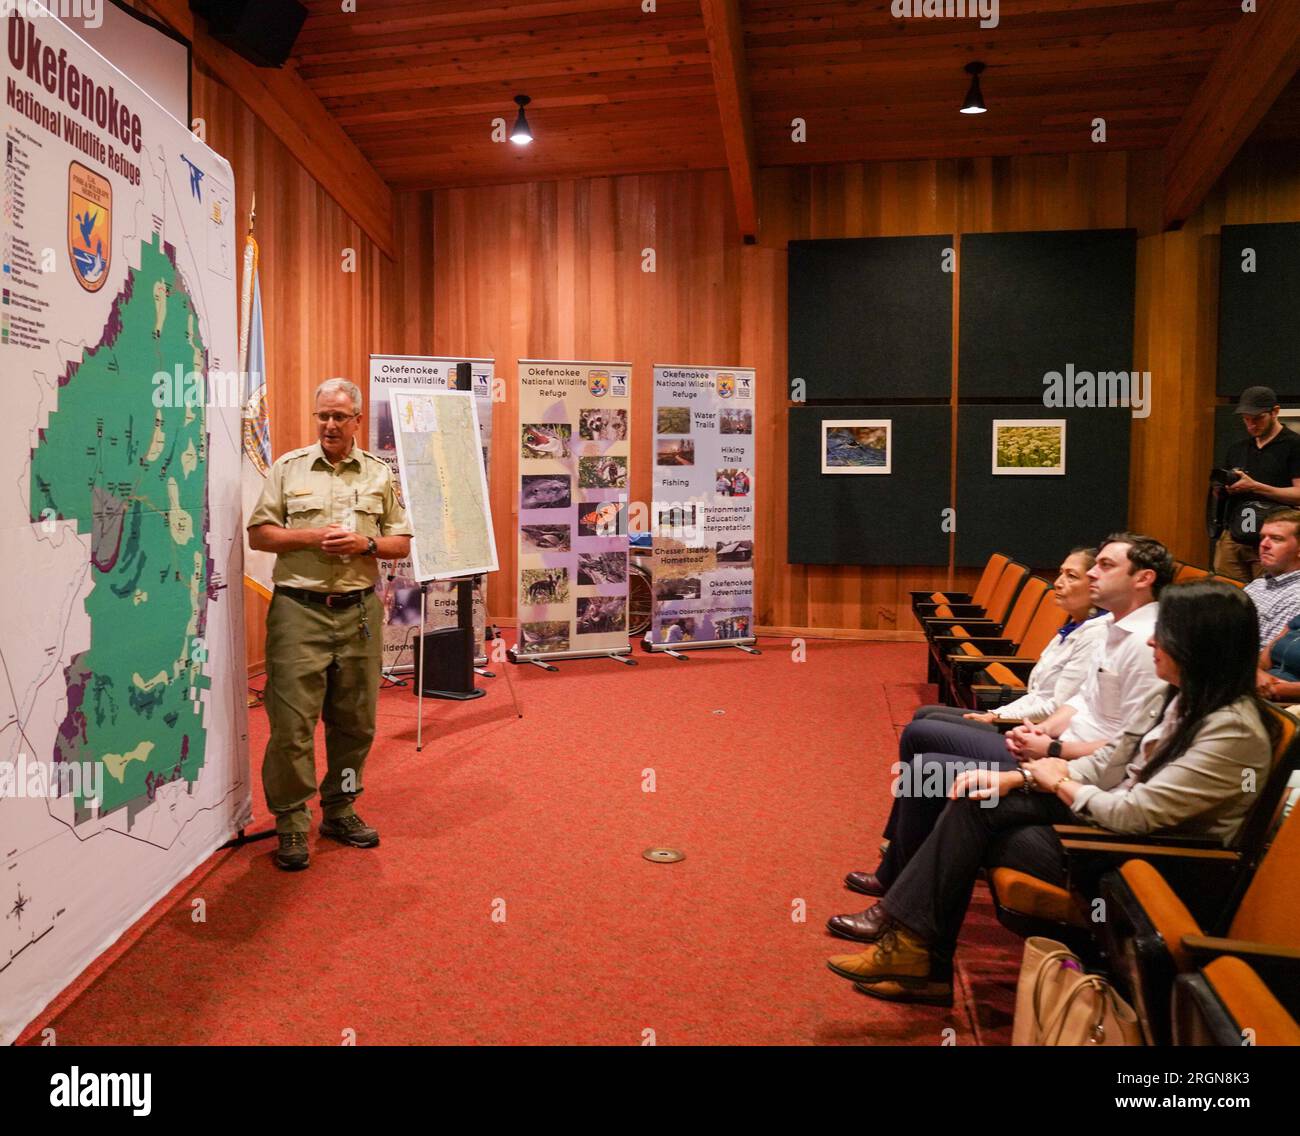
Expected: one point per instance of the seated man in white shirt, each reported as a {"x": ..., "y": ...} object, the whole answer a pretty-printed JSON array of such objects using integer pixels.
[{"x": 1126, "y": 579}]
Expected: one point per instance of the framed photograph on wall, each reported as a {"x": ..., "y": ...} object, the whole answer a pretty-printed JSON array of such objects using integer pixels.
[
  {"x": 857, "y": 445},
  {"x": 1029, "y": 446}
]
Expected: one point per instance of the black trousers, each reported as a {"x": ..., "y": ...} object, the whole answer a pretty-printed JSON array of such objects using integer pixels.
[
  {"x": 930, "y": 747},
  {"x": 932, "y": 892},
  {"x": 938, "y": 711}
]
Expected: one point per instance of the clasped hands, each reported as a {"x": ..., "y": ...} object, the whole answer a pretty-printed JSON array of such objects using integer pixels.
[
  {"x": 338, "y": 541},
  {"x": 1028, "y": 744}
]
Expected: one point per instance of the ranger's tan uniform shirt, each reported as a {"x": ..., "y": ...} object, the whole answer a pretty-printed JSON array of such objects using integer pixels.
[{"x": 304, "y": 491}]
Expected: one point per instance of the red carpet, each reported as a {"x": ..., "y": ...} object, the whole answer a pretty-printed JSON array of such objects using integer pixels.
[{"x": 772, "y": 776}]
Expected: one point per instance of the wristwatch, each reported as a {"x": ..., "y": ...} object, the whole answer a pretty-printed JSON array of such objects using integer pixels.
[
  {"x": 1054, "y": 749},
  {"x": 372, "y": 549}
]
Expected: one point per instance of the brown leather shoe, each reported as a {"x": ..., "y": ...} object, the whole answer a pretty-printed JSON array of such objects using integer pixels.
[
  {"x": 927, "y": 991},
  {"x": 897, "y": 954},
  {"x": 864, "y": 927},
  {"x": 864, "y": 883}
]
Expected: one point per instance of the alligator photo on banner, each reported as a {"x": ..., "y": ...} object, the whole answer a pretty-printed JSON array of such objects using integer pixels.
[
  {"x": 574, "y": 444},
  {"x": 124, "y": 752},
  {"x": 703, "y": 508},
  {"x": 401, "y": 594}
]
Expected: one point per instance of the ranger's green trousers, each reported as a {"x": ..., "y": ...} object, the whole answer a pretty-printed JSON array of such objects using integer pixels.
[{"x": 319, "y": 666}]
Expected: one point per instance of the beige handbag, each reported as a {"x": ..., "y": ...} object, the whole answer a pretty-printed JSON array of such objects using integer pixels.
[{"x": 1058, "y": 1004}]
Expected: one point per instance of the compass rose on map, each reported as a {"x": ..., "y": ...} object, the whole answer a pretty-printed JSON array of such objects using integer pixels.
[{"x": 20, "y": 904}]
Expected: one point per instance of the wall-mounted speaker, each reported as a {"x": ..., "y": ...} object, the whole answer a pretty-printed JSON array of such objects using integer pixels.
[{"x": 262, "y": 31}]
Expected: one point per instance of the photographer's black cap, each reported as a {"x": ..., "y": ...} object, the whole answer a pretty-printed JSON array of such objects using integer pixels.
[{"x": 1256, "y": 400}]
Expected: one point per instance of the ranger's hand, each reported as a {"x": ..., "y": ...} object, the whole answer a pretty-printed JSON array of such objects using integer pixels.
[{"x": 339, "y": 541}]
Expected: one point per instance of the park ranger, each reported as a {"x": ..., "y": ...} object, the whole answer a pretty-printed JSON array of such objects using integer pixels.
[{"x": 329, "y": 512}]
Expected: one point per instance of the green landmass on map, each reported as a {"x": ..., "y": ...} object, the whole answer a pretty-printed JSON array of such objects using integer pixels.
[{"x": 134, "y": 478}]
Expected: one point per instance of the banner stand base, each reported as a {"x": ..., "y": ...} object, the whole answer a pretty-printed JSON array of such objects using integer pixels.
[
  {"x": 524, "y": 660},
  {"x": 519, "y": 659},
  {"x": 677, "y": 650}
]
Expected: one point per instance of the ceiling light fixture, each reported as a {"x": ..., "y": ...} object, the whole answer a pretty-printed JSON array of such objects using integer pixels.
[
  {"x": 521, "y": 135},
  {"x": 974, "y": 103}
]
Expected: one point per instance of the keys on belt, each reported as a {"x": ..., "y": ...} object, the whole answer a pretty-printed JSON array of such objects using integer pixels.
[{"x": 326, "y": 599}]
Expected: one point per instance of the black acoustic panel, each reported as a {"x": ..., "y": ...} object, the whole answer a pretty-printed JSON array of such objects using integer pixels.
[
  {"x": 871, "y": 317},
  {"x": 1037, "y": 519},
  {"x": 1036, "y": 302},
  {"x": 1259, "y": 311},
  {"x": 894, "y": 518},
  {"x": 263, "y": 31},
  {"x": 1227, "y": 431}
]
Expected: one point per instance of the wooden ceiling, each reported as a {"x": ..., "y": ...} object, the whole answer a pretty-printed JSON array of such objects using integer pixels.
[{"x": 615, "y": 89}]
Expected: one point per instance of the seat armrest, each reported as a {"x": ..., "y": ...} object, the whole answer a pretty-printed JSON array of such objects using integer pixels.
[
  {"x": 1207, "y": 947},
  {"x": 943, "y": 626},
  {"x": 1131, "y": 849},
  {"x": 950, "y": 641},
  {"x": 1169, "y": 840},
  {"x": 924, "y": 597},
  {"x": 1019, "y": 665},
  {"x": 1005, "y": 660},
  {"x": 1201, "y": 877},
  {"x": 961, "y": 610}
]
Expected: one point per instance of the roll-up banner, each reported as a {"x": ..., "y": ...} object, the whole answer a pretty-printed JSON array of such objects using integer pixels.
[
  {"x": 702, "y": 514},
  {"x": 575, "y": 430},
  {"x": 401, "y": 592}
]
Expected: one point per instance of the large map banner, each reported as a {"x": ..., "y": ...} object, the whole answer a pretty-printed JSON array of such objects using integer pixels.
[
  {"x": 703, "y": 522},
  {"x": 123, "y": 721},
  {"x": 574, "y": 441},
  {"x": 401, "y": 594}
]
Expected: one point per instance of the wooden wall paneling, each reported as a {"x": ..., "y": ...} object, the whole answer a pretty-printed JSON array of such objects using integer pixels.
[
  {"x": 554, "y": 270},
  {"x": 319, "y": 320}
]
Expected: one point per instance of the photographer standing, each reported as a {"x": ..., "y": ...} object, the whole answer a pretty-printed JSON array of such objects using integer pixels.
[{"x": 1262, "y": 472}]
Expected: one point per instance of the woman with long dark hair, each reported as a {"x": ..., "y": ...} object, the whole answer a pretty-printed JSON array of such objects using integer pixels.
[{"x": 1180, "y": 767}]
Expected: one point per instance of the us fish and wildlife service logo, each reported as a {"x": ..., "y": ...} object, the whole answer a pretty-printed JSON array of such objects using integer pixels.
[
  {"x": 598, "y": 383},
  {"x": 726, "y": 385},
  {"x": 90, "y": 226}
]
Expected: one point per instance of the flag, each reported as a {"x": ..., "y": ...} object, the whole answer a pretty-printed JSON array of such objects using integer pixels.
[{"x": 257, "y": 420}]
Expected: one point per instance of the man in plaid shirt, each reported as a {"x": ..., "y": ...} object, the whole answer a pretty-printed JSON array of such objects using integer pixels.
[{"x": 1276, "y": 593}]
